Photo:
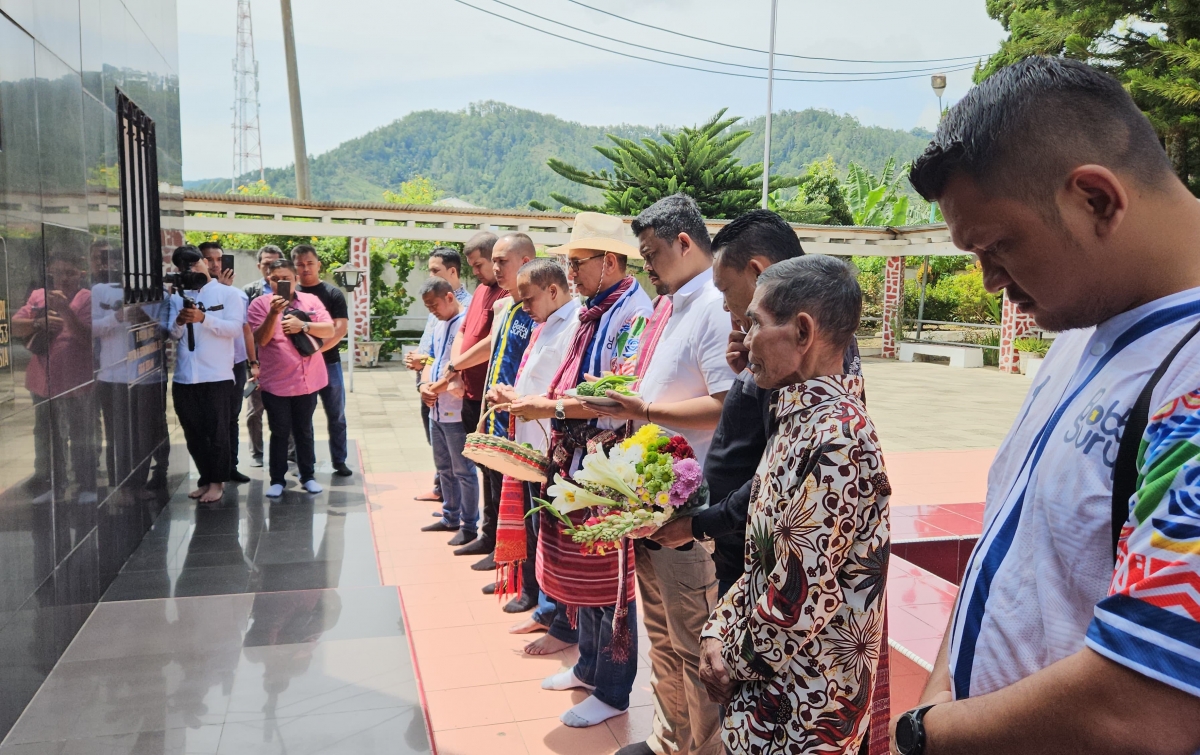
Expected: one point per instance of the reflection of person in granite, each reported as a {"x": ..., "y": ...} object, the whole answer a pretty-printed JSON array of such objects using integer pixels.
[
  {"x": 110, "y": 330},
  {"x": 55, "y": 324}
]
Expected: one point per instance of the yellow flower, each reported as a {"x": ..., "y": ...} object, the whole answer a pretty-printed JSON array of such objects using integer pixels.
[{"x": 642, "y": 437}]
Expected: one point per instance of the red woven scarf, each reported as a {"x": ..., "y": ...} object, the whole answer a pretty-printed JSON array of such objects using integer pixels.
[{"x": 568, "y": 376}]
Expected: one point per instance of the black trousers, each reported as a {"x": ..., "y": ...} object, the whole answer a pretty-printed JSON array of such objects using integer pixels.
[
  {"x": 291, "y": 417},
  {"x": 241, "y": 371},
  {"x": 203, "y": 411},
  {"x": 492, "y": 480}
]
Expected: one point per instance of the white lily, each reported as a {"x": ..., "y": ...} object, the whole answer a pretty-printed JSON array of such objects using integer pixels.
[
  {"x": 567, "y": 497},
  {"x": 598, "y": 469}
]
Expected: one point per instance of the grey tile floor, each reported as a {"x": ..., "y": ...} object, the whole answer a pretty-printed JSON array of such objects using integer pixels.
[{"x": 246, "y": 627}]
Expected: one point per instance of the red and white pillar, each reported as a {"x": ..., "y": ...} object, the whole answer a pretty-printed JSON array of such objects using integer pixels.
[
  {"x": 893, "y": 305},
  {"x": 1013, "y": 325},
  {"x": 360, "y": 257}
]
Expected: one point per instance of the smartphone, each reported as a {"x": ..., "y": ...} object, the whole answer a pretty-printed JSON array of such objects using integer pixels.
[
  {"x": 284, "y": 289},
  {"x": 227, "y": 262}
]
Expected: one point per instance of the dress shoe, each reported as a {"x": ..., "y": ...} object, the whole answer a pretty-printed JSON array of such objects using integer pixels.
[
  {"x": 236, "y": 476},
  {"x": 440, "y": 525},
  {"x": 462, "y": 538},
  {"x": 521, "y": 604},
  {"x": 489, "y": 588},
  {"x": 477, "y": 548},
  {"x": 487, "y": 563},
  {"x": 341, "y": 470},
  {"x": 434, "y": 496}
]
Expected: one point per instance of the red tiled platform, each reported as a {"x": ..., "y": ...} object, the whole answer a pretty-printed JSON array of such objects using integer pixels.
[{"x": 919, "y": 607}]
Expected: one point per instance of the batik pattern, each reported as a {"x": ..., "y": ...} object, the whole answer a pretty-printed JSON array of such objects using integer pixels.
[
  {"x": 1151, "y": 620},
  {"x": 801, "y": 629}
]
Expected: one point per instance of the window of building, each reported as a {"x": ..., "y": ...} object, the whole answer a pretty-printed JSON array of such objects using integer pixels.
[{"x": 140, "y": 232}]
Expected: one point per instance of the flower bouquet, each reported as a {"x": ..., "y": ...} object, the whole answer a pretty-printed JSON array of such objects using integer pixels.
[{"x": 632, "y": 490}]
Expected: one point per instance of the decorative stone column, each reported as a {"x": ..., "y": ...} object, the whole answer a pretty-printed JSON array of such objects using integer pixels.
[
  {"x": 893, "y": 305},
  {"x": 1013, "y": 325},
  {"x": 360, "y": 257}
]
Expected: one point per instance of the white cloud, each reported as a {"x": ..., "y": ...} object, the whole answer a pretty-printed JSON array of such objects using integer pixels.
[{"x": 365, "y": 63}]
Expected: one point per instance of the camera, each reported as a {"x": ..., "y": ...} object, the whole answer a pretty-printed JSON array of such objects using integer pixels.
[{"x": 186, "y": 280}]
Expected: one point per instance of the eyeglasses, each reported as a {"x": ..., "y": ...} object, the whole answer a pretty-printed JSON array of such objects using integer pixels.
[{"x": 578, "y": 263}]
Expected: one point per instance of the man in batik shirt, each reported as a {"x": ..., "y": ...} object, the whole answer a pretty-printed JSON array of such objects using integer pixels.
[{"x": 792, "y": 648}]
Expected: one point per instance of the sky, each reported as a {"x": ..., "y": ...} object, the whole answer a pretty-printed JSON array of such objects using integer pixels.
[{"x": 366, "y": 63}]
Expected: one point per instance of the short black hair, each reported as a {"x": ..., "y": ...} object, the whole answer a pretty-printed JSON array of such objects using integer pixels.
[
  {"x": 544, "y": 272},
  {"x": 281, "y": 262},
  {"x": 823, "y": 286},
  {"x": 671, "y": 216},
  {"x": 185, "y": 256},
  {"x": 1024, "y": 128},
  {"x": 269, "y": 249},
  {"x": 482, "y": 242},
  {"x": 300, "y": 249},
  {"x": 753, "y": 234},
  {"x": 208, "y": 246},
  {"x": 436, "y": 286},
  {"x": 449, "y": 257}
]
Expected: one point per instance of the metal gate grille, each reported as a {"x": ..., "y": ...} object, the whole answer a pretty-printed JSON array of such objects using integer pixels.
[{"x": 140, "y": 231}]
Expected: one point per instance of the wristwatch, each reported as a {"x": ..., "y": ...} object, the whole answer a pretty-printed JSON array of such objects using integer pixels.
[
  {"x": 303, "y": 327},
  {"x": 559, "y": 414},
  {"x": 910, "y": 732}
]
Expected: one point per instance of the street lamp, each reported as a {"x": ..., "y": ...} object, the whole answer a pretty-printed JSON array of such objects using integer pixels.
[
  {"x": 938, "y": 81},
  {"x": 770, "y": 87},
  {"x": 348, "y": 277}
]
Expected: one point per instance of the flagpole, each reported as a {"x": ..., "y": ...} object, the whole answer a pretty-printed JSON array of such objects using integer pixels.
[{"x": 770, "y": 87}]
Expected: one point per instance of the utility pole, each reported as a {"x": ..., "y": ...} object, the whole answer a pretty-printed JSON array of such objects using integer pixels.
[
  {"x": 770, "y": 87},
  {"x": 303, "y": 190},
  {"x": 247, "y": 137}
]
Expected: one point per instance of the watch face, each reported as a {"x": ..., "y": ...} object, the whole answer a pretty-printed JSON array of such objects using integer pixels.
[{"x": 906, "y": 736}]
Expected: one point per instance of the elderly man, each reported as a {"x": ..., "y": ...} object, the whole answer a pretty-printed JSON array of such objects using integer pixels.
[
  {"x": 791, "y": 649},
  {"x": 1053, "y": 177},
  {"x": 684, "y": 379}
]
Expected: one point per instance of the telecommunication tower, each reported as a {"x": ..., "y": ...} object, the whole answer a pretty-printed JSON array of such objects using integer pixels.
[{"x": 247, "y": 139}]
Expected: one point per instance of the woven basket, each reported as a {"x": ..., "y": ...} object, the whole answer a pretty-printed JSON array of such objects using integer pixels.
[{"x": 506, "y": 456}]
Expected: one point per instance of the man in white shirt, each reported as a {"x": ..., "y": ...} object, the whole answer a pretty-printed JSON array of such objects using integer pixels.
[
  {"x": 205, "y": 328},
  {"x": 546, "y": 296},
  {"x": 1053, "y": 177},
  {"x": 682, "y": 389}
]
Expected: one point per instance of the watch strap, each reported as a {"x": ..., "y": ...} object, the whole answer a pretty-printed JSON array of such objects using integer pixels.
[{"x": 915, "y": 719}]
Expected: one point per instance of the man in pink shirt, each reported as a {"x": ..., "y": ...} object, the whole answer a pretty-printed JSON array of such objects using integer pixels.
[{"x": 289, "y": 379}]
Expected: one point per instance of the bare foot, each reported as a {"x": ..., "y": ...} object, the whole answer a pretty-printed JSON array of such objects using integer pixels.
[
  {"x": 214, "y": 493},
  {"x": 198, "y": 492},
  {"x": 529, "y": 626},
  {"x": 546, "y": 645}
]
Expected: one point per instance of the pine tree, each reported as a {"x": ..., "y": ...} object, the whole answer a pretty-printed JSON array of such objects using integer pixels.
[{"x": 696, "y": 161}]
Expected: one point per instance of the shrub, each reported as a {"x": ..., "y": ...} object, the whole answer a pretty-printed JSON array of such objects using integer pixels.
[{"x": 1036, "y": 346}]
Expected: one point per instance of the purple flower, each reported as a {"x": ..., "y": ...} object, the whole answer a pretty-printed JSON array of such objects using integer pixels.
[{"x": 688, "y": 476}]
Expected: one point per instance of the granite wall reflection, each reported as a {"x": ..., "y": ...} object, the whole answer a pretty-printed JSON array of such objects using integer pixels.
[{"x": 85, "y": 456}]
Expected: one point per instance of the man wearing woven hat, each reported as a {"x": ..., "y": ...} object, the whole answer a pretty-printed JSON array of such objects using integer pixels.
[{"x": 589, "y": 588}]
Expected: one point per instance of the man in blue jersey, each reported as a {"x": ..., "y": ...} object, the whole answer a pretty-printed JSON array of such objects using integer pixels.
[{"x": 1053, "y": 177}]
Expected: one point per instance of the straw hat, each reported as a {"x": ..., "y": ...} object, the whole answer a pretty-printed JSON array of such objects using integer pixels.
[{"x": 603, "y": 233}]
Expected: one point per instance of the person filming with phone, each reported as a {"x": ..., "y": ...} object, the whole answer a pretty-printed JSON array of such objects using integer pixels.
[
  {"x": 288, "y": 330},
  {"x": 205, "y": 319}
]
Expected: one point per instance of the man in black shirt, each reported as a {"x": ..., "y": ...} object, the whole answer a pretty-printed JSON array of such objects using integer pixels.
[
  {"x": 333, "y": 396},
  {"x": 742, "y": 250}
]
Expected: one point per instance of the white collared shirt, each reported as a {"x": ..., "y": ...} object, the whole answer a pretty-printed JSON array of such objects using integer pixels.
[
  {"x": 689, "y": 361},
  {"x": 546, "y": 355},
  {"x": 212, "y": 361},
  {"x": 239, "y": 343}
]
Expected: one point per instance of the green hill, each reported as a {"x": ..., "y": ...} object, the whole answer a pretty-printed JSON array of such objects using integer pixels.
[{"x": 494, "y": 155}]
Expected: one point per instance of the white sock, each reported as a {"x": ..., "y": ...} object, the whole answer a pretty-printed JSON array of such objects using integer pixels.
[
  {"x": 275, "y": 491},
  {"x": 565, "y": 680},
  {"x": 313, "y": 486},
  {"x": 589, "y": 713}
]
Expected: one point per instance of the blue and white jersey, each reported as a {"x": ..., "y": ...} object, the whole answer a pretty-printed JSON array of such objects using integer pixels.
[{"x": 1044, "y": 561}]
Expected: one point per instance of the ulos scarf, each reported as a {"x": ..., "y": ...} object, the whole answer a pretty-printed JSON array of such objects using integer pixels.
[
  {"x": 512, "y": 546},
  {"x": 568, "y": 376}
]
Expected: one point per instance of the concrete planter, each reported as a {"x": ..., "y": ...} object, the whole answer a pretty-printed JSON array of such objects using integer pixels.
[
  {"x": 1032, "y": 365},
  {"x": 368, "y": 353}
]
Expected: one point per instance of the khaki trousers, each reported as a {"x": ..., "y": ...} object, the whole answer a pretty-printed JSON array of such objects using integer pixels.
[{"x": 679, "y": 592}]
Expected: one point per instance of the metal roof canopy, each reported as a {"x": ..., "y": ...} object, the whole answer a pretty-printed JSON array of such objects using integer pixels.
[{"x": 283, "y": 216}]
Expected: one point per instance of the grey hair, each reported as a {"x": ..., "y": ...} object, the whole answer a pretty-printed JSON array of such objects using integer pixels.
[
  {"x": 269, "y": 249},
  {"x": 823, "y": 286},
  {"x": 436, "y": 286},
  {"x": 671, "y": 216},
  {"x": 544, "y": 272}
]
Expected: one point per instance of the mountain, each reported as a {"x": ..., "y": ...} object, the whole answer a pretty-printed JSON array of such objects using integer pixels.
[{"x": 494, "y": 155}]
